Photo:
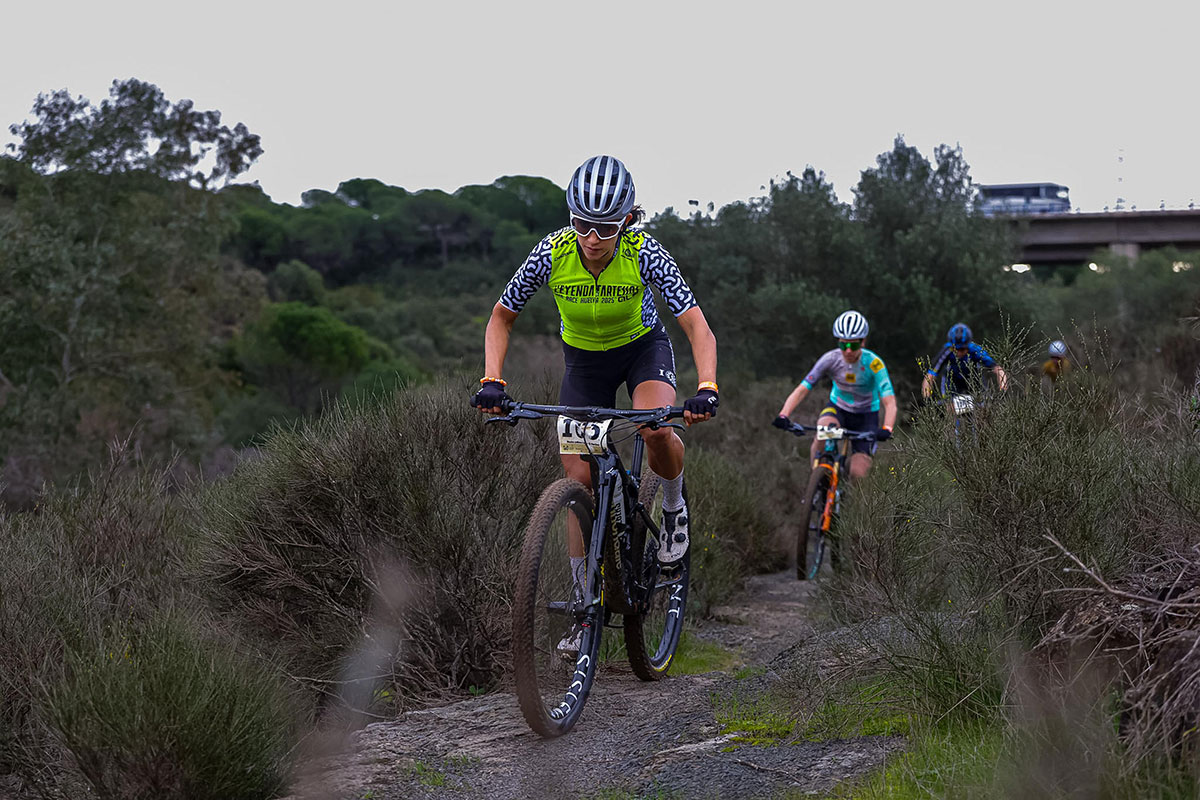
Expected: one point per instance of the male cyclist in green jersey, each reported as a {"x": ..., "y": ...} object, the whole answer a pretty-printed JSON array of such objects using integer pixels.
[
  {"x": 600, "y": 271},
  {"x": 860, "y": 385}
]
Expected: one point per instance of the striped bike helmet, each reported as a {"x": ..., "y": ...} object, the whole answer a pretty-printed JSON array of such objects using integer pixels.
[
  {"x": 601, "y": 190},
  {"x": 850, "y": 325},
  {"x": 1058, "y": 348},
  {"x": 960, "y": 335}
]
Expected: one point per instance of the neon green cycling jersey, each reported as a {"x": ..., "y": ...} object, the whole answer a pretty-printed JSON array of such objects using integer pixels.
[{"x": 600, "y": 312}]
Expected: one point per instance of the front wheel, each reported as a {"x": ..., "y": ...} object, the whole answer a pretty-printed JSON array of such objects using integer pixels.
[
  {"x": 652, "y": 635},
  {"x": 810, "y": 538},
  {"x": 552, "y": 681}
]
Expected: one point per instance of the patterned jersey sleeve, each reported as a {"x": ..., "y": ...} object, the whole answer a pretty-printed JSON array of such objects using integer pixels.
[
  {"x": 940, "y": 361},
  {"x": 659, "y": 269},
  {"x": 528, "y": 278},
  {"x": 982, "y": 356}
]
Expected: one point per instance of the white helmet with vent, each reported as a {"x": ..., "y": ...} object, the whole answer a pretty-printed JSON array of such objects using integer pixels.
[
  {"x": 601, "y": 190},
  {"x": 850, "y": 325}
]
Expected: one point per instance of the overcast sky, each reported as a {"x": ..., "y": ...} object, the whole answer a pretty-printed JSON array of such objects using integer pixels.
[{"x": 702, "y": 100}]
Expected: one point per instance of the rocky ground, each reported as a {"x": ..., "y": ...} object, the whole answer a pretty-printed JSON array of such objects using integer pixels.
[{"x": 645, "y": 739}]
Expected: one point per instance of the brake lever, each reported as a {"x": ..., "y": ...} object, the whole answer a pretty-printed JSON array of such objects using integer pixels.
[
  {"x": 656, "y": 425},
  {"x": 506, "y": 418}
]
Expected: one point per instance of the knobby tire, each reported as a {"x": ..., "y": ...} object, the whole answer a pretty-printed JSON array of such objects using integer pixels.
[
  {"x": 652, "y": 635},
  {"x": 552, "y": 694},
  {"x": 810, "y": 539}
]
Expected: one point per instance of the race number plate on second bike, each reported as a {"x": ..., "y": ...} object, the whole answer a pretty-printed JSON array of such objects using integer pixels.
[
  {"x": 963, "y": 403},
  {"x": 582, "y": 438}
]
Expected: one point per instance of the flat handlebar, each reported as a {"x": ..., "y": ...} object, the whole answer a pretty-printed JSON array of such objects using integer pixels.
[
  {"x": 515, "y": 411},
  {"x": 804, "y": 430}
]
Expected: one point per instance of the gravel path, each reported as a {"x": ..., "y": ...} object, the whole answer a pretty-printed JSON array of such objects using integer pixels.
[{"x": 656, "y": 739}]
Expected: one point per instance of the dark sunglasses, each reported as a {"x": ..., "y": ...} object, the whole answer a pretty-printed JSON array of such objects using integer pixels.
[
  {"x": 605, "y": 230},
  {"x": 850, "y": 345}
]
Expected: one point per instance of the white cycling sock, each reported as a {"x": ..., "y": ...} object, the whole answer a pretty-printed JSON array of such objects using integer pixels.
[{"x": 672, "y": 492}]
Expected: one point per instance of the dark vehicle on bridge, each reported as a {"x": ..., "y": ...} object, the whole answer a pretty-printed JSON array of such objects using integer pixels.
[{"x": 1023, "y": 198}]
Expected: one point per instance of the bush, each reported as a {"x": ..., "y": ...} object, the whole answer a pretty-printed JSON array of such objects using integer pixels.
[
  {"x": 164, "y": 711},
  {"x": 92, "y": 568},
  {"x": 969, "y": 554},
  {"x": 407, "y": 513}
]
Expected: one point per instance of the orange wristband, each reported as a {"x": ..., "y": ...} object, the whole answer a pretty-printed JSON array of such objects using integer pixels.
[
  {"x": 500, "y": 381},
  {"x": 707, "y": 385}
]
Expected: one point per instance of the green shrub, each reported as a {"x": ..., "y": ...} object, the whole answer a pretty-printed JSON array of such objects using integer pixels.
[
  {"x": 88, "y": 574},
  {"x": 163, "y": 711},
  {"x": 406, "y": 514}
]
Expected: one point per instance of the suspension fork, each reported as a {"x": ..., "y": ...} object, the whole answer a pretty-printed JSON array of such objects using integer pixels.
[
  {"x": 593, "y": 590},
  {"x": 830, "y": 495}
]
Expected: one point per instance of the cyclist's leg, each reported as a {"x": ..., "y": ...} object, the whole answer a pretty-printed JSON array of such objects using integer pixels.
[
  {"x": 861, "y": 453},
  {"x": 828, "y": 416},
  {"x": 650, "y": 379},
  {"x": 664, "y": 450},
  {"x": 651, "y": 383}
]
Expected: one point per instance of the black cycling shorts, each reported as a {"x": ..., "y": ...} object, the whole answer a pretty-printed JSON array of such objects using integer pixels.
[
  {"x": 861, "y": 422},
  {"x": 592, "y": 377}
]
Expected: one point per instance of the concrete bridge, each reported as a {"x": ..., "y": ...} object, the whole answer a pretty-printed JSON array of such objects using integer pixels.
[{"x": 1074, "y": 238}]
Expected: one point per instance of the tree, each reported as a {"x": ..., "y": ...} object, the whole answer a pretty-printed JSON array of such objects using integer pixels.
[
  {"x": 114, "y": 296},
  {"x": 136, "y": 130},
  {"x": 299, "y": 353}
]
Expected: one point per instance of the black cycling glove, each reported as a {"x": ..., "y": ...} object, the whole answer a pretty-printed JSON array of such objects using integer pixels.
[
  {"x": 882, "y": 435},
  {"x": 491, "y": 395},
  {"x": 782, "y": 422},
  {"x": 705, "y": 402}
]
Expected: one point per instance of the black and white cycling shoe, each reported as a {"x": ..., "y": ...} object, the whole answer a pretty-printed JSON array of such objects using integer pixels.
[
  {"x": 572, "y": 640},
  {"x": 673, "y": 542}
]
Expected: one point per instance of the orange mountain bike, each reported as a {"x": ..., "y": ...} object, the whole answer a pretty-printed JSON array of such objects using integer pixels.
[{"x": 823, "y": 495}]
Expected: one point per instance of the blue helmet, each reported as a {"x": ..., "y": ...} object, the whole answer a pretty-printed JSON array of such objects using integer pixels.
[{"x": 959, "y": 335}]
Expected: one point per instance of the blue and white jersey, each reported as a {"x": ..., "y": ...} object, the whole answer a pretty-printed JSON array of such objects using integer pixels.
[{"x": 960, "y": 374}]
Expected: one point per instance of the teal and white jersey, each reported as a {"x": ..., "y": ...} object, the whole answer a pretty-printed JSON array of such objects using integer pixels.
[{"x": 857, "y": 387}]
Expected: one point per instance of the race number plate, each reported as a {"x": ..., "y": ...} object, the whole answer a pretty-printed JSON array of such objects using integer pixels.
[
  {"x": 963, "y": 403},
  {"x": 829, "y": 432},
  {"x": 582, "y": 438}
]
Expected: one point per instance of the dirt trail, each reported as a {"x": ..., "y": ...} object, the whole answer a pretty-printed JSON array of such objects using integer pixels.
[{"x": 641, "y": 737}]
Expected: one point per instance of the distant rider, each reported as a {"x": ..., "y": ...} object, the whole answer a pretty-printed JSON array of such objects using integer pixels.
[
  {"x": 960, "y": 365},
  {"x": 860, "y": 385},
  {"x": 1058, "y": 365}
]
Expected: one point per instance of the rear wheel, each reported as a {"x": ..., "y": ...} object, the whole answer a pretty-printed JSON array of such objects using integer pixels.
[
  {"x": 552, "y": 687},
  {"x": 652, "y": 635},
  {"x": 810, "y": 538}
]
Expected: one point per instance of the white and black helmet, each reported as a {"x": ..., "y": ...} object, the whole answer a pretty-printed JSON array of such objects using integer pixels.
[
  {"x": 850, "y": 325},
  {"x": 1058, "y": 348},
  {"x": 601, "y": 190}
]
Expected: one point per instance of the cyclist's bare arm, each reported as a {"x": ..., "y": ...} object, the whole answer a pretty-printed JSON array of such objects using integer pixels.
[
  {"x": 928, "y": 384},
  {"x": 495, "y": 344},
  {"x": 793, "y": 400},
  {"x": 889, "y": 411},
  {"x": 704, "y": 351},
  {"x": 1001, "y": 378}
]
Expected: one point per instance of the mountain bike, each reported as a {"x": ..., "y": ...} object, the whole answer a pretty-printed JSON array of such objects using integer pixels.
[
  {"x": 962, "y": 408},
  {"x": 620, "y": 519},
  {"x": 823, "y": 495}
]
